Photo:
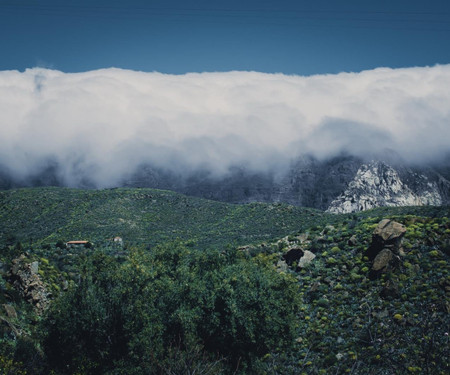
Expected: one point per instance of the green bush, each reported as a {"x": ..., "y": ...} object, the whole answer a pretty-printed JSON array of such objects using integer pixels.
[{"x": 133, "y": 315}]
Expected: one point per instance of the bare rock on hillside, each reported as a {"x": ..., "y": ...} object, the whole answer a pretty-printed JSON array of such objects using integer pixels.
[
  {"x": 385, "y": 249},
  {"x": 306, "y": 259},
  {"x": 378, "y": 184}
]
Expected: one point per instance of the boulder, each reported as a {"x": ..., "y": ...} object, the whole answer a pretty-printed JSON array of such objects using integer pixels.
[
  {"x": 389, "y": 231},
  {"x": 382, "y": 260},
  {"x": 385, "y": 249},
  {"x": 387, "y": 234},
  {"x": 10, "y": 311},
  {"x": 307, "y": 258},
  {"x": 352, "y": 241}
]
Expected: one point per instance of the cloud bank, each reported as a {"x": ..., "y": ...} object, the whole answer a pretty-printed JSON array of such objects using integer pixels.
[{"x": 103, "y": 124}]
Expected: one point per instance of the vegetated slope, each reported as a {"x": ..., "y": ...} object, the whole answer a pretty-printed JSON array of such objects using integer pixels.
[
  {"x": 140, "y": 216},
  {"x": 357, "y": 321},
  {"x": 348, "y": 322}
]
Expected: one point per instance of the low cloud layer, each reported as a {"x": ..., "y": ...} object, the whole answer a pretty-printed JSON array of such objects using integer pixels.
[{"x": 102, "y": 124}]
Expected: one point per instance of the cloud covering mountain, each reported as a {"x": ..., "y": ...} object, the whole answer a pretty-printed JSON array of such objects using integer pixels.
[{"x": 100, "y": 125}]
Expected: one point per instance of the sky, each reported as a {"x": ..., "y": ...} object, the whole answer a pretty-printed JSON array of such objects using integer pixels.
[
  {"x": 101, "y": 87},
  {"x": 173, "y": 36}
]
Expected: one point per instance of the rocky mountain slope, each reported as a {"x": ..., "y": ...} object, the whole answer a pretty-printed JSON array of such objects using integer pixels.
[
  {"x": 307, "y": 182},
  {"x": 343, "y": 183},
  {"x": 378, "y": 184},
  {"x": 340, "y": 185}
]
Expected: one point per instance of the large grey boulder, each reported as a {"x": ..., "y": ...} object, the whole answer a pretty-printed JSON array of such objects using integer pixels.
[{"x": 382, "y": 260}]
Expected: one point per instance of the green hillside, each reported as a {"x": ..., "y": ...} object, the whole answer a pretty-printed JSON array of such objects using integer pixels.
[
  {"x": 141, "y": 216},
  {"x": 40, "y": 216},
  {"x": 193, "y": 303}
]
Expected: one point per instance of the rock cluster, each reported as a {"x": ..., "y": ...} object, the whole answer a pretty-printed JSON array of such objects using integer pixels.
[
  {"x": 24, "y": 277},
  {"x": 385, "y": 249}
]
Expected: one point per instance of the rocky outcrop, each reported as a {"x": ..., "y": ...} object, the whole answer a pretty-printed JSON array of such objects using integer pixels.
[
  {"x": 388, "y": 233},
  {"x": 24, "y": 277},
  {"x": 385, "y": 249},
  {"x": 377, "y": 184}
]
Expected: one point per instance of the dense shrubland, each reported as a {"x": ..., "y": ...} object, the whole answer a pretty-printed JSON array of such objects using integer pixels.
[{"x": 130, "y": 316}]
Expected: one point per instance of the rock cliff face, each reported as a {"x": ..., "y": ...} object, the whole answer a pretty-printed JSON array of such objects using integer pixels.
[
  {"x": 340, "y": 184},
  {"x": 377, "y": 184}
]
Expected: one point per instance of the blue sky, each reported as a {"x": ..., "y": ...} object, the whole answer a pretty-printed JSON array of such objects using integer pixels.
[{"x": 173, "y": 36}]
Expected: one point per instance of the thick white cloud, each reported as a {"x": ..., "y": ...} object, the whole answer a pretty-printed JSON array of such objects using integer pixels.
[{"x": 104, "y": 123}]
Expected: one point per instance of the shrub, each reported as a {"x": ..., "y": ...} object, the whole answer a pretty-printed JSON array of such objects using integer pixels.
[
  {"x": 60, "y": 244},
  {"x": 133, "y": 313}
]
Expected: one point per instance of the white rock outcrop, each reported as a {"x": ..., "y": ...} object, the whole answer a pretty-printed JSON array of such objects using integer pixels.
[{"x": 377, "y": 184}]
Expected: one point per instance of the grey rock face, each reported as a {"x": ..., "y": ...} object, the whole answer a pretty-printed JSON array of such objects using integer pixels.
[
  {"x": 377, "y": 184},
  {"x": 342, "y": 184},
  {"x": 315, "y": 183}
]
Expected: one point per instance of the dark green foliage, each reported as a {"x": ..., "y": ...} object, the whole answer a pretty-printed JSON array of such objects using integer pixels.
[
  {"x": 60, "y": 244},
  {"x": 133, "y": 315}
]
